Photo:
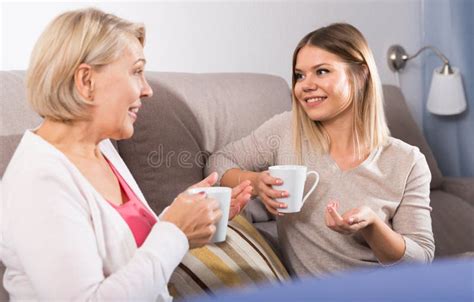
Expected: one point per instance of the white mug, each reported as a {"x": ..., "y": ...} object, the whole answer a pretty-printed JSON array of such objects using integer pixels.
[
  {"x": 223, "y": 196},
  {"x": 294, "y": 179}
]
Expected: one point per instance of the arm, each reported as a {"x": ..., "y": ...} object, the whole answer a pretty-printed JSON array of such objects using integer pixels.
[
  {"x": 413, "y": 219},
  {"x": 233, "y": 177},
  {"x": 388, "y": 246},
  {"x": 245, "y": 159},
  {"x": 411, "y": 237}
]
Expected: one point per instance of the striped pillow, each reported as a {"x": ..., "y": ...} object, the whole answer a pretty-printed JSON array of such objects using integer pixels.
[{"x": 244, "y": 259}]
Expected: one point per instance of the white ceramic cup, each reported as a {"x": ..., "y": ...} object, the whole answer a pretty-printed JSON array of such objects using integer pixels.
[
  {"x": 294, "y": 179},
  {"x": 223, "y": 196}
]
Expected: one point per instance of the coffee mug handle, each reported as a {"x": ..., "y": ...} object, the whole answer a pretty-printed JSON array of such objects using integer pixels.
[{"x": 314, "y": 185}]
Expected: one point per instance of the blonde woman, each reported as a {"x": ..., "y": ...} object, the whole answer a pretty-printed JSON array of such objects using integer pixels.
[
  {"x": 75, "y": 225},
  {"x": 371, "y": 206}
]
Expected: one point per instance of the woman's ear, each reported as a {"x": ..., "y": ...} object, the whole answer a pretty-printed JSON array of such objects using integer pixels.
[{"x": 84, "y": 81}]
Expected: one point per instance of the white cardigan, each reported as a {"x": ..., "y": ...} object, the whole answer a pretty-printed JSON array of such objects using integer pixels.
[{"x": 60, "y": 239}]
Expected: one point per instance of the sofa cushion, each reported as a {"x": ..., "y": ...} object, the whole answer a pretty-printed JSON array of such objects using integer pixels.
[
  {"x": 450, "y": 236},
  {"x": 15, "y": 114},
  {"x": 244, "y": 259},
  {"x": 403, "y": 126},
  {"x": 190, "y": 116},
  {"x": 9, "y": 144}
]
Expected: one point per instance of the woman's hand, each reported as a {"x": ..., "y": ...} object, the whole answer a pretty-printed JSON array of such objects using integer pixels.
[
  {"x": 350, "y": 222},
  {"x": 240, "y": 197},
  {"x": 195, "y": 215},
  {"x": 240, "y": 194},
  {"x": 263, "y": 189}
]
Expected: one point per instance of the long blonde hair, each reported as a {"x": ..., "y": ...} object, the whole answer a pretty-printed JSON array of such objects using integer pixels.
[
  {"x": 81, "y": 36},
  {"x": 369, "y": 124}
]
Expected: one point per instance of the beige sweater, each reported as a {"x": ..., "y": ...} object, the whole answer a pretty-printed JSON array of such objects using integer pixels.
[{"x": 394, "y": 181}]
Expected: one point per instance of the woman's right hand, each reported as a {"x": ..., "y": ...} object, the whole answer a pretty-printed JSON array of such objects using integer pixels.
[
  {"x": 262, "y": 184},
  {"x": 195, "y": 215}
]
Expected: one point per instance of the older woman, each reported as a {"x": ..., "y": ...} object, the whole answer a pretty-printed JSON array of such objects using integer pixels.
[{"x": 75, "y": 224}]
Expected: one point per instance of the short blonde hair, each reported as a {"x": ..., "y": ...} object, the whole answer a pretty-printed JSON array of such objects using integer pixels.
[
  {"x": 369, "y": 123},
  {"x": 81, "y": 36}
]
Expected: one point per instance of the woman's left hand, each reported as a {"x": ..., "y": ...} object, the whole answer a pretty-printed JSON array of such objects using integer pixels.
[
  {"x": 240, "y": 197},
  {"x": 240, "y": 194},
  {"x": 350, "y": 222}
]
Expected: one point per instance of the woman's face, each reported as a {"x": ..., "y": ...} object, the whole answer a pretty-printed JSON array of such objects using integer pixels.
[
  {"x": 118, "y": 88},
  {"x": 321, "y": 87}
]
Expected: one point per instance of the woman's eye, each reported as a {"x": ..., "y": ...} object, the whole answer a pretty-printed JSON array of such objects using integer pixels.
[
  {"x": 139, "y": 71},
  {"x": 298, "y": 76},
  {"x": 322, "y": 71}
]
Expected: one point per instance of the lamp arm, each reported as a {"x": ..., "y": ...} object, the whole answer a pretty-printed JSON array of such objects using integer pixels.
[
  {"x": 397, "y": 58},
  {"x": 437, "y": 52}
]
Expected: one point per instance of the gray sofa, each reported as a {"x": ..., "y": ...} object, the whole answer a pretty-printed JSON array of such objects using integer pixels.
[{"x": 192, "y": 115}]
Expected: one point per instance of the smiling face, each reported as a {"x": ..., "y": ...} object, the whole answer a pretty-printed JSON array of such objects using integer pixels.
[
  {"x": 118, "y": 88},
  {"x": 322, "y": 88}
]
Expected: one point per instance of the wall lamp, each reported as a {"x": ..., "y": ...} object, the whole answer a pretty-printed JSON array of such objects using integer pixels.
[{"x": 446, "y": 96}]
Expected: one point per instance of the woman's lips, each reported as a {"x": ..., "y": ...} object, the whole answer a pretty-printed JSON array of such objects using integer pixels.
[{"x": 314, "y": 101}]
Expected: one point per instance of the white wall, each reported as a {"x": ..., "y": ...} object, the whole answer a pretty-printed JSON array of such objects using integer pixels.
[{"x": 232, "y": 36}]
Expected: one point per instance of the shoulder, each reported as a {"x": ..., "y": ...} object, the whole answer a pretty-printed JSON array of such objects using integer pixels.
[
  {"x": 400, "y": 163},
  {"x": 37, "y": 168},
  {"x": 33, "y": 156},
  {"x": 283, "y": 118},
  {"x": 278, "y": 124},
  {"x": 402, "y": 160},
  {"x": 399, "y": 150}
]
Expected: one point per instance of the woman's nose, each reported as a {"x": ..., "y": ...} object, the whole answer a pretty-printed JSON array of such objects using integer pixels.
[
  {"x": 309, "y": 84},
  {"x": 146, "y": 90}
]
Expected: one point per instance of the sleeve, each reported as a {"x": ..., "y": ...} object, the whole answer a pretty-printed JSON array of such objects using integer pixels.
[
  {"x": 255, "y": 152},
  {"x": 55, "y": 241},
  {"x": 413, "y": 219}
]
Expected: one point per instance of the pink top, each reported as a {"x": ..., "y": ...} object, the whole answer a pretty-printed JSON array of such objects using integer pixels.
[{"x": 135, "y": 214}]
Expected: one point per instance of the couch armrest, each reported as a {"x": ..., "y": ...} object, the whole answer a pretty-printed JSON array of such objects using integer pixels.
[{"x": 462, "y": 187}]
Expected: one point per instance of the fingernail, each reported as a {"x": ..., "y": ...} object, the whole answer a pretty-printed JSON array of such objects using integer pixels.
[
  {"x": 351, "y": 220},
  {"x": 282, "y": 205},
  {"x": 329, "y": 209},
  {"x": 282, "y": 194}
]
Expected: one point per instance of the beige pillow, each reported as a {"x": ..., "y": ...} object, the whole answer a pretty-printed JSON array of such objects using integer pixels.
[{"x": 243, "y": 260}]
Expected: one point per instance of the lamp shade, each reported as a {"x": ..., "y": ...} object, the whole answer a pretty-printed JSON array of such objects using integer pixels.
[{"x": 446, "y": 96}]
